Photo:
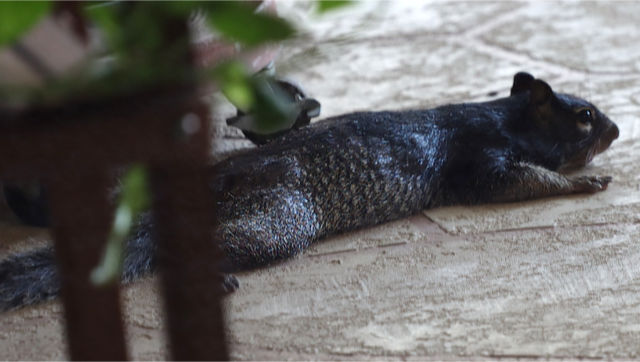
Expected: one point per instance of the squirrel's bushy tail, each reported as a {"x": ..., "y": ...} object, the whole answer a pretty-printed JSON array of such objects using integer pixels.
[
  {"x": 28, "y": 278},
  {"x": 32, "y": 277}
]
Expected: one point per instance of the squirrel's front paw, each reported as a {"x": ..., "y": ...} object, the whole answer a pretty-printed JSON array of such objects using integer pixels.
[{"x": 591, "y": 184}]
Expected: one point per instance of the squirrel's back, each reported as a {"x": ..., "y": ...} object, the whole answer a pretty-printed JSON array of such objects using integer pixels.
[{"x": 353, "y": 170}]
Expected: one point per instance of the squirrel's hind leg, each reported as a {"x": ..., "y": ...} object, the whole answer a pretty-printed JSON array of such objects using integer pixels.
[{"x": 266, "y": 226}]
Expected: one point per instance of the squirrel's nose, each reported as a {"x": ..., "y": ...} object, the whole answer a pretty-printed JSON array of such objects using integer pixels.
[
  {"x": 613, "y": 131},
  {"x": 609, "y": 136}
]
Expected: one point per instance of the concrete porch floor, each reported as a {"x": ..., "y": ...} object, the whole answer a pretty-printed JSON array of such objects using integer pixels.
[{"x": 555, "y": 278}]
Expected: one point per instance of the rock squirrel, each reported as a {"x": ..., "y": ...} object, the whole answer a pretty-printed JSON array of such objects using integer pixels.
[{"x": 366, "y": 168}]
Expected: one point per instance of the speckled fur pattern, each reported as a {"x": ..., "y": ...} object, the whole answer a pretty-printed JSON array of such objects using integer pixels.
[
  {"x": 367, "y": 168},
  {"x": 298, "y": 190}
]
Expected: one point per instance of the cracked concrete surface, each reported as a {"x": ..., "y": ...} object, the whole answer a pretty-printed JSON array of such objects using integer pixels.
[{"x": 548, "y": 278}]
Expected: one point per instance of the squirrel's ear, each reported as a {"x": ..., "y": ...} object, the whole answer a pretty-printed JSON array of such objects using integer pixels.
[
  {"x": 540, "y": 92},
  {"x": 521, "y": 82}
]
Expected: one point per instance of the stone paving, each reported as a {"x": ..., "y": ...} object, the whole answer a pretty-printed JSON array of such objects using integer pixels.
[{"x": 555, "y": 278}]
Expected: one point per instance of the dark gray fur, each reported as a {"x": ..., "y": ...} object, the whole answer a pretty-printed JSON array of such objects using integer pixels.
[{"x": 363, "y": 169}]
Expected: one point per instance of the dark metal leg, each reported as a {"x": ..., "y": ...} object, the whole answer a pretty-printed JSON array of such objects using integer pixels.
[
  {"x": 184, "y": 214},
  {"x": 81, "y": 222}
]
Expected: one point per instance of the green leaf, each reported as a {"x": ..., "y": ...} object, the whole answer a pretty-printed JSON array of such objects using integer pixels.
[
  {"x": 16, "y": 17},
  {"x": 110, "y": 267},
  {"x": 135, "y": 189},
  {"x": 180, "y": 8},
  {"x": 239, "y": 94},
  {"x": 235, "y": 84},
  {"x": 134, "y": 31},
  {"x": 105, "y": 17},
  {"x": 328, "y": 5},
  {"x": 239, "y": 22},
  {"x": 273, "y": 110},
  {"x": 259, "y": 95},
  {"x": 134, "y": 199}
]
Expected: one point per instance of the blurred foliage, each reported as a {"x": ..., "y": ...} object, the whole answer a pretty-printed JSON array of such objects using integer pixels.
[
  {"x": 258, "y": 95},
  {"x": 232, "y": 20},
  {"x": 133, "y": 199},
  {"x": 146, "y": 46},
  {"x": 136, "y": 32},
  {"x": 139, "y": 55},
  {"x": 328, "y": 5},
  {"x": 18, "y": 17},
  {"x": 235, "y": 84}
]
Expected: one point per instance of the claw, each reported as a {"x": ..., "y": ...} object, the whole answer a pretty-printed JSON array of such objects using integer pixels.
[{"x": 591, "y": 184}]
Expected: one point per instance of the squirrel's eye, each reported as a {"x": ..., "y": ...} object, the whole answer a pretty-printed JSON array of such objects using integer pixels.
[{"x": 585, "y": 115}]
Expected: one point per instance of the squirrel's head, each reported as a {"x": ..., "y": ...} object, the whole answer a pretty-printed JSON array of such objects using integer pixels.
[{"x": 577, "y": 129}]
